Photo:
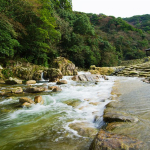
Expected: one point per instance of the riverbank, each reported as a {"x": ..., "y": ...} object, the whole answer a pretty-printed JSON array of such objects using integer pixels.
[{"x": 127, "y": 117}]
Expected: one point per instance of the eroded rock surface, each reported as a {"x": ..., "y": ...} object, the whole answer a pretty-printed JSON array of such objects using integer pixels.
[{"x": 110, "y": 141}]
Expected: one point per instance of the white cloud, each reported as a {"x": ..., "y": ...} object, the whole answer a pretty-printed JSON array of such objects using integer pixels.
[{"x": 117, "y": 8}]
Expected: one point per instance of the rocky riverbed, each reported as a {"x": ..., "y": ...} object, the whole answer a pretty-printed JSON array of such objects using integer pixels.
[{"x": 127, "y": 117}]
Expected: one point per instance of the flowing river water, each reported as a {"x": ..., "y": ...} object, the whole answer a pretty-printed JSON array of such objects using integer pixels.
[{"x": 46, "y": 126}]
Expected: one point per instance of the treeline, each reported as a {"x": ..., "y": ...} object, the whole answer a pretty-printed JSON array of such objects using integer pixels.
[{"x": 41, "y": 30}]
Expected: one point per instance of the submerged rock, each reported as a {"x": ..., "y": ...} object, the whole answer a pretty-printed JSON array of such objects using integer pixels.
[
  {"x": 110, "y": 141},
  {"x": 73, "y": 102},
  {"x": 84, "y": 129}
]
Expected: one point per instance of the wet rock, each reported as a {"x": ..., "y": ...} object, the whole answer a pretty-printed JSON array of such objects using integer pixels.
[
  {"x": 31, "y": 82},
  {"x": 52, "y": 74},
  {"x": 12, "y": 81},
  {"x": 17, "y": 90},
  {"x": 109, "y": 141},
  {"x": 56, "y": 89},
  {"x": 84, "y": 129},
  {"x": 38, "y": 99},
  {"x": 113, "y": 116},
  {"x": 35, "y": 89},
  {"x": 26, "y": 99},
  {"x": 61, "y": 82},
  {"x": 114, "y": 125},
  {"x": 26, "y": 104}
]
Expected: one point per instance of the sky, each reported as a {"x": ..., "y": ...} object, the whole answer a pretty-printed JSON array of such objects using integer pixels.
[{"x": 117, "y": 8}]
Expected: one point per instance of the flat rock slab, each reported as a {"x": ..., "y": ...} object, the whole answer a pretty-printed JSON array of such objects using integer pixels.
[
  {"x": 110, "y": 141},
  {"x": 112, "y": 116}
]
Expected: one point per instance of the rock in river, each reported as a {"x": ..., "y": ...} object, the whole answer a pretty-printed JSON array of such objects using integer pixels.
[
  {"x": 113, "y": 116},
  {"x": 35, "y": 89},
  {"x": 38, "y": 99},
  {"x": 110, "y": 141},
  {"x": 26, "y": 99},
  {"x": 61, "y": 82}
]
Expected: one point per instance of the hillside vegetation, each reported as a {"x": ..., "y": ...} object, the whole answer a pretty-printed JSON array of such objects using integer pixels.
[
  {"x": 140, "y": 22},
  {"x": 40, "y": 30}
]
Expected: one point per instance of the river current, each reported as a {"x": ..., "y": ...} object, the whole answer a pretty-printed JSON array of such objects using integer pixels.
[{"x": 46, "y": 126}]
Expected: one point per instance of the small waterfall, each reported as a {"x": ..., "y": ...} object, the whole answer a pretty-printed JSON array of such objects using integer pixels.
[
  {"x": 42, "y": 78},
  {"x": 42, "y": 74}
]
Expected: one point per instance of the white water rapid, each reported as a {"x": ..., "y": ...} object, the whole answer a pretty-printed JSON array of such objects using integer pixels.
[{"x": 78, "y": 102}]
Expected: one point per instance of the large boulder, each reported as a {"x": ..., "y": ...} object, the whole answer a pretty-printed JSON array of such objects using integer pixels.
[
  {"x": 12, "y": 81},
  {"x": 37, "y": 75},
  {"x": 65, "y": 66},
  {"x": 52, "y": 74},
  {"x": 109, "y": 141}
]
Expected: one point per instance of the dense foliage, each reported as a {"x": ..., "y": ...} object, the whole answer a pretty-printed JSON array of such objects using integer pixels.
[
  {"x": 140, "y": 21},
  {"x": 40, "y": 30}
]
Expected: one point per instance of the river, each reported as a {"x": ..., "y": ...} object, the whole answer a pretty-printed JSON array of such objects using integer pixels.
[{"x": 47, "y": 127}]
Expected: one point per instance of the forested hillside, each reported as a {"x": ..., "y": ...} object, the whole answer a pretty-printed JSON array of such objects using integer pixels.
[
  {"x": 140, "y": 21},
  {"x": 41, "y": 30}
]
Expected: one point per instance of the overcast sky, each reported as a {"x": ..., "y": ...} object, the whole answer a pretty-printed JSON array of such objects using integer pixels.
[{"x": 117, "y": 8}]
